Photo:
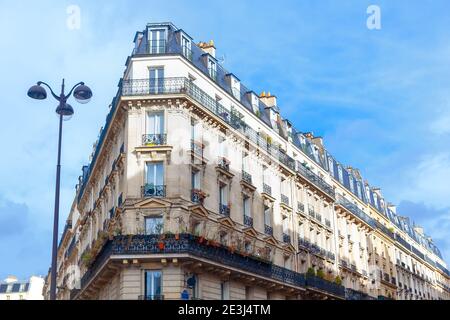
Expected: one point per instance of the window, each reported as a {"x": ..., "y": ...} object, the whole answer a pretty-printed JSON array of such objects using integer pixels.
[
  {"x": 247, "y": 206},
  {"x": 153, "y": 285},
  {"x": 155, "y": 128},
  {"x": 351, "y": 181},
  {"x": 186, "y": 47},
  {"x": 223, "y": 150},
  {"x": 225, "y": 290},
  {"x": 255, "y": 103},
  {"x": 341, "y": 177},
  {"x": 267, "y": 216},
  {"x": 358, "y": 188},
  {"x": 156, "y": 80},
  {"x": 285, "y": 225},
  {"x": 236, "y": 88},
  {"x": 154, "y": 225},
  {"x": 196, "y": 180},
  {"x": 154, "y": 184},
  {"x": 157, "y": 41},
  {"x": 212, "y": 69},
  {"x": 223, "y": 196},
  {"x": 331, "y": 165}
]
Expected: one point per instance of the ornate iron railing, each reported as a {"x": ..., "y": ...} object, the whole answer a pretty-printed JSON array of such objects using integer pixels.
[
  {"x": 224, "y": 210},
  {"x": 267, "y": 189},
  {"x": 154, "y": 139},
  {"x": 151, "y": 190},
  {"x": 286, "y": 238},
  {"x": 223, "y": 163},
  {"x": 300, "y": 207},
  {"x": 268, "y": 230},
  {"x": 355, "y": 210},
  {"x": 324, "y": 285},
  {"x": 315, "y": 180},
  {"x": 247, "y": 177},
  {"x": 197, "y": 148},
  {"x": 248, "y": 221}
]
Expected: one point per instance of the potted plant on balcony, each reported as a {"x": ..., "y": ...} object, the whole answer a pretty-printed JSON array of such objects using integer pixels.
[
  {"x": 320, "y": 274},
  {"x": 161, "y": 245},
  {"x": 311, "y": 272},
  {"x": 338, "y": 280}
]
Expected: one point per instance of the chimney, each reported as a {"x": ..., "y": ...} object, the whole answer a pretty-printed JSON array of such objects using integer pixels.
[
  {"x": 309, "y": 135},
  {"x": 268, "y": 99},
  {"x": 208, "y": 47},
  {"x": 318, "y": 141},
  {"x": 11, "y": 279}
]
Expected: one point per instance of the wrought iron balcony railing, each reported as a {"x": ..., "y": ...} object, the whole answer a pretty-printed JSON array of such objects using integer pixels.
[
  {"x": 268, "y": 230},
  {"x": 300, "y": 207},
  {"x": 154, "y": 139},
  {"x": 223, "y": 163},
  {"x": 355, "y": 210},
  {"x": 197, "y": 196},
  {"x": 248, "y": 221},
  {"x": 319, "y": 217},
  {"x": 224, "y": 210},
  {"x": 247, "y": 177},
  {"x": 286, "y": 238},
  {"x": 267, "y": 189},
  {"x": 311, "y": 212},
  {"x": 187, "y": 243},
  {"x": 151, "y": 297},
  {"x": 151, "y": 190},
  {"x": 197, "y": 148},
  {"x": 324, "y": 285},
  {"x": 315, "y": 180}
]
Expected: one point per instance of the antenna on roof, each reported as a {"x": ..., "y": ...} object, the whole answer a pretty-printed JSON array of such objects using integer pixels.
[{"x": 222, "y": 59}]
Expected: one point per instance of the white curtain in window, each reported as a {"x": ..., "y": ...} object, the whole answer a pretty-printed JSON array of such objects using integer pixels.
[
  {"x": 155, "y": 123},
  {"x": 155, "y": 173}
]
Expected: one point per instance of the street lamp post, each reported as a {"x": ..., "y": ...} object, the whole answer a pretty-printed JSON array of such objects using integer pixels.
[{"x": 82, "y": 94}]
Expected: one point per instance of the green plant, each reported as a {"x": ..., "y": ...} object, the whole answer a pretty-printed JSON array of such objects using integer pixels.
[
  {"x": 86, "y": 258},
  {"x": 320, "y": 274},
  {"x": 338, "y": 280},
  {"x": 311, "y": 272}
]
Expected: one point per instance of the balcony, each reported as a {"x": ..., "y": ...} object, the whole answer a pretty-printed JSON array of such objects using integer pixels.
[
  {"x": 268, "y": 230},
  {"x": 151, "y": 190},
  {"x": 248, "y": 221},
  {"x": 197, "y": 196},
  {"x": 324, "y": 285},
  {"x": 284, "y": 199},
  {"x": 385, "y": 230},
  {"x": 246, "y": 177},
  {"x": 353, "y": 208},
  {"x": 304, "y": 243},
  {"x": 267, "y": 189},
  {"x": 317, "y": 181},
  {"x": 151, "y": 297},
  {"x": 300, "y": 207},
  {"x": 154, "y": 139},
  {"x": 186, "y": 243},
  {"x": 286, "y": 238},
  {"x": 353, "y": 268},
  {"x": 224, "y": 210},
  {"x": 223, "y": 164},
  {"x": 197, "y": 148}
]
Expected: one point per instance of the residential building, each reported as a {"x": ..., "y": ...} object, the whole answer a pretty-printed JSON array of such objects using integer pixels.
[
  {"x": 13, "y": 289},
  {"x": 198, "y": 188}
]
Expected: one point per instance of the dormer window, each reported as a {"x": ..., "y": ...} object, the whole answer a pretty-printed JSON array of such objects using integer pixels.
[
  {"x": 157, "y": 40},
  {"x": 235, "y": 87},
  {"x": 186, "y": 47},
  {"x": 255, "y": 103},
  {"x": 331, "y": 165},
  {"x": 341, "y": 177},
  {"x": 212, "y": 68},
  {"x": 358, "y": 188}
]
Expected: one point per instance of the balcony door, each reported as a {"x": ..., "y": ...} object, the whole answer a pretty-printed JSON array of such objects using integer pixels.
[
  {"x": 153, "y": 285},
  {"x": 154, "y": 186},
  {"x": 156, "y": 80},
  {"x": 155, "y": 128},
  {"x": 157, "y": 41}
]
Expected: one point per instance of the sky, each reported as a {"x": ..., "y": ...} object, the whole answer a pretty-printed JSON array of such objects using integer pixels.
[{"x": 379, "y": 98}]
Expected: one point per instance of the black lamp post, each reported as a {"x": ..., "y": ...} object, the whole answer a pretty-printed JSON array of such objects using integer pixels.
[{"x": 82, "y": 94}]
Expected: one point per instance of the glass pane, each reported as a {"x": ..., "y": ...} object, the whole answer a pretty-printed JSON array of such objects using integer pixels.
[
  {"x": 157, "y": 282},
  {"x": 153, "y": 225}
]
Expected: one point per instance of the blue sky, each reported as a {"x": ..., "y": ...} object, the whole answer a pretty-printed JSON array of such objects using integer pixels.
[{"x": 380, "y": 98}]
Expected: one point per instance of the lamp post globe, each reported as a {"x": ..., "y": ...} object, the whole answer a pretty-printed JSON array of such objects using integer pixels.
[{"x": 37, "y": 92}]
